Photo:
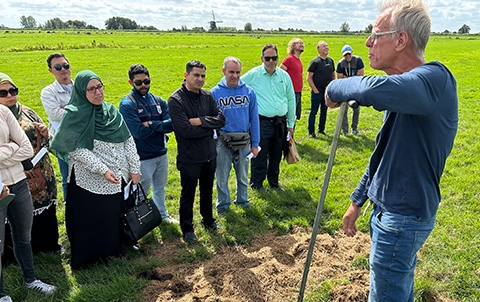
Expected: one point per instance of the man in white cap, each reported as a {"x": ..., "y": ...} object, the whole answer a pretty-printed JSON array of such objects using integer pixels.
[{"x": 350, "y": 66}]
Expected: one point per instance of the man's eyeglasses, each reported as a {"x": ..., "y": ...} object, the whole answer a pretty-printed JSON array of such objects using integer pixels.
[
  {"x": 12, "y": 91},
  {"x": 65, "y": 66},
  {"x": 139, "y": 82},
  {"x": 375, "y": 35},
  {"x": 94, "y": 89},
  {"x": 274, "y": 58}
]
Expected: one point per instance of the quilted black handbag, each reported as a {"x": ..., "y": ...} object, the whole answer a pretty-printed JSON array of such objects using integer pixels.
[{"x": 140, "y": 217}]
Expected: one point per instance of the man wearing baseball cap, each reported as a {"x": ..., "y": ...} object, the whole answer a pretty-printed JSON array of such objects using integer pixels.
[{"x": 350, "y": 66}]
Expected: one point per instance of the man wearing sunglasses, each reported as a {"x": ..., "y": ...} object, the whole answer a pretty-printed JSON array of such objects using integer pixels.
[
  {"x": 277, "y": 112},
  {"x": 350, "y": 66},
  {"x": 148, "y": 119},
  {"x": 54, "y": 99}
]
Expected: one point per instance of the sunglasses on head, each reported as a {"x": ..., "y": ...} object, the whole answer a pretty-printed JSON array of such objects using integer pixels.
[
  {"x": 12, "y": 91},
  {"x": 139, "y": 82},
  {"x": 274, "y": 58},
  {"x": 65, "y": 66}
]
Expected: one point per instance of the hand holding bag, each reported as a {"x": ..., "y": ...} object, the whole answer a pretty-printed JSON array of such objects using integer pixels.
[
  {"x": 140, "y": 218},
  {"x": 292, "y": 155}
]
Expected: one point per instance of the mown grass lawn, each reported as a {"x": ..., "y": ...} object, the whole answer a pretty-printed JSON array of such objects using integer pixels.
[{"x": 449, "y": 263}]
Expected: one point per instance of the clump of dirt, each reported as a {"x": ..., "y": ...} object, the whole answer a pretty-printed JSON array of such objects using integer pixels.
[{"x": 270, "y": 269}]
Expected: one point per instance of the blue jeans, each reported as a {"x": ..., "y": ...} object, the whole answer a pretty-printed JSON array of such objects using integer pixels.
[
  {"x": 225, "y": 158},
  {"x": 317, "y": 101},
  {"x": 63, "y": 166},
  {"x": 396, "y": 240},
  {"x": 20, "y": 216},
  {"x": 155, "y": 173}
]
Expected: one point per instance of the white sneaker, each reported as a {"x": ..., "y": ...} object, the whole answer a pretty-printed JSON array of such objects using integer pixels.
[
  {"x": 170, "y": 219},
  {"x": 5, "y": 299},
  {"x": 40, "y": 286}
]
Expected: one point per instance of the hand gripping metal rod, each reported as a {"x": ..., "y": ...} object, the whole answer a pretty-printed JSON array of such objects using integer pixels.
[{"x": 321, "y": 201}]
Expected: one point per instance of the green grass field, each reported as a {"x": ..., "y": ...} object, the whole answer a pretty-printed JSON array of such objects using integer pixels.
[{"x": 449, "y": 263}]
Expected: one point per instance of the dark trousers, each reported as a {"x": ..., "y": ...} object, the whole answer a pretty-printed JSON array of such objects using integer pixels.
[
  {"x": 298, "y": 102},
  {"x": 267, "y": 162},
  {"x": 190, "y": 175},
  {"x": 317, "y": 101}
]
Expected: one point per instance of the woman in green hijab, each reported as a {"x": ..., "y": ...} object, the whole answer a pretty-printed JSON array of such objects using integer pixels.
[{"x": 101, "y": 155}]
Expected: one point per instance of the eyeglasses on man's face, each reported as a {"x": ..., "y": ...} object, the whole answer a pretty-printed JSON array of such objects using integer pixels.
[
  {"x": 274, "y": 58},
  {"x": 13, "y": 92},
  {"x": 375, "y": 35},
  {"x": 65, "y": 66},
  {"x": 140, "y": 82},
  {"x": 94, "y": 89}
]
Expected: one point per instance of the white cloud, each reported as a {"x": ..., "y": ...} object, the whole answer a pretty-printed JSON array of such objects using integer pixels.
[{"x": 166, "y": 14}]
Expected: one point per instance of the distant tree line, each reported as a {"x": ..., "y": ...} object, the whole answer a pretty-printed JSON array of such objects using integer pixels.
[{"x": 122, "y": 23}]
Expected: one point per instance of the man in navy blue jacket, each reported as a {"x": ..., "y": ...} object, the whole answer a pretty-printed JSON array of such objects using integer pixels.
[
  {"x": 148, "y": 119},
  {"x": 402, "y": 179}
]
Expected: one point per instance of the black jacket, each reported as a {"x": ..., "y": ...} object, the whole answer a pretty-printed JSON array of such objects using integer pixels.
[{"x": 195, "y": 144}]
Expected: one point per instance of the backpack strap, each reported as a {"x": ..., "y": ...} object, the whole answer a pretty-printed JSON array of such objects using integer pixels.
[{"x": 132, "y": 98}]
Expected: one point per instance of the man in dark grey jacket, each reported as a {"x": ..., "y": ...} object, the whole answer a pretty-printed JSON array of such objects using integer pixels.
[{"x": 195, "y": 116}]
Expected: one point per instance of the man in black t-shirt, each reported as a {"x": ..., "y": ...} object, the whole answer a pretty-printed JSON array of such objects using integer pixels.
[{"x": 321, "y": 71}]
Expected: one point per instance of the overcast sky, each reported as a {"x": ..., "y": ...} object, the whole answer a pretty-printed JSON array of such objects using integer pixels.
[{"x": 317, "y": 15}]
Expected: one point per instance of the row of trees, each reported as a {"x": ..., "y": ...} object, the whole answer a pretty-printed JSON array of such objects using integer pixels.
[
  {"x": 56, "y": 23},
  {"x": 120, "y": 23}
]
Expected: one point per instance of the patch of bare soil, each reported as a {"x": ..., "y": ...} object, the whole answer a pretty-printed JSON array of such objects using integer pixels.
[{"x": 268, "y": 270}]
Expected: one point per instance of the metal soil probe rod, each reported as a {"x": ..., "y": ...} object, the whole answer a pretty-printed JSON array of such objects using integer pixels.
[{"x": 321, "y": 201}]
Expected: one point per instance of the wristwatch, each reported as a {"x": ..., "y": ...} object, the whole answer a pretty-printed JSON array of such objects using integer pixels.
[{"x": 150, "y": 122}]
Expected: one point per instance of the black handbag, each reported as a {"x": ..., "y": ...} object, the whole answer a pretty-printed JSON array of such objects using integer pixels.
[{"x": 139, "y": 218}]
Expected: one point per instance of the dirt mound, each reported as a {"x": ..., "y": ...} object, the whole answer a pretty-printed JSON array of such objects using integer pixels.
[{"x": 270, "y": 269}]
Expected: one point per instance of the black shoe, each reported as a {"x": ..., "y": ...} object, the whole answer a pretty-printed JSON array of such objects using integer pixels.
[
  {"x": 322, "y": 132},
  {"x": 222, "y": 212},
  {"x": 256, "y": 187},
  {"x": 277, "y": 187},
  {"x": 190, "y": 237},
  {"x": 211, "y": 227},
  {"x": 312, "y": 134}
]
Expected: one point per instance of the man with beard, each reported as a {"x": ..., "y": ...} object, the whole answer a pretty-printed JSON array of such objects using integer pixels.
[
  {"x": 293, "y": 66},
  {"x": 195, "y": 116},
  {"x": 148, "y": 119}
]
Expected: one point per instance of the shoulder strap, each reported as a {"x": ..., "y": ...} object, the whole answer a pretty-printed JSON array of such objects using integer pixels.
[
  {"x": 157, "y": 99},
  {"x": 132, "y": 98},
  {"x": 38, "y": 143}
]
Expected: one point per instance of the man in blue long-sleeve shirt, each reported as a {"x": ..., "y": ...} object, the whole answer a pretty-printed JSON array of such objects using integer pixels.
[
  {"x": 147, "y": 118},
  {"x": 403, "y": 176}
]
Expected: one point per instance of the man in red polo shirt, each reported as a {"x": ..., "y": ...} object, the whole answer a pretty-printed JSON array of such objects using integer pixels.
[{"x": 293, "y": 66}]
